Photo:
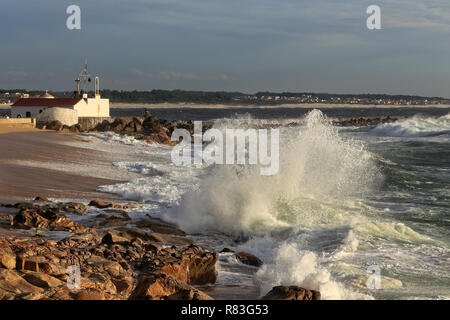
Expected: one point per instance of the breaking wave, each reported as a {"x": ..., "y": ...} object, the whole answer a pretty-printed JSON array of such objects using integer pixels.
[
  {"x": 317, "y": 167},
  {"x": 417, "y": 126}
]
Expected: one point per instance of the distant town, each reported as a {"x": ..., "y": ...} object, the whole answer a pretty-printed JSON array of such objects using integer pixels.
[{"x": 237, "y": 98}]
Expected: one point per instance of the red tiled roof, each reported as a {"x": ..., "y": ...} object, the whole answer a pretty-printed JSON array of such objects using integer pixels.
[{"x": 44, "y": 102}]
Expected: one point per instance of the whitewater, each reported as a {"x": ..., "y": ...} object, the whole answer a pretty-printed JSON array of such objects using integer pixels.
[{"x": 344, "y": 200}]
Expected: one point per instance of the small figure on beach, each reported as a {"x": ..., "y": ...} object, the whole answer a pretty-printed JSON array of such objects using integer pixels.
[{"x": 146, "y": 113}]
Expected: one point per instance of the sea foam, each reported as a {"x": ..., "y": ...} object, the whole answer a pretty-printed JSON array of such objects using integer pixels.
[{"x": 417, "y": 126}]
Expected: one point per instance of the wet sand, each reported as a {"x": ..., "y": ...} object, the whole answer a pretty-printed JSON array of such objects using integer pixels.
[{"x": 19, "y": 181}]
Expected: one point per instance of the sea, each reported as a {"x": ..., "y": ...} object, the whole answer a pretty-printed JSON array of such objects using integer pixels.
[{"x": 354, "y": 212}]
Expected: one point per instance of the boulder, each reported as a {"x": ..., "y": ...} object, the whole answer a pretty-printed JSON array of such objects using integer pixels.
[
  {"x": 103, "y": 205},
  {"x": 123, "y": 285},
  {"x": 74, "y": 207},
  {"x": 112, "y": 237},
  {"x": 41, "y": 199},
  {"x": 51, "y": 268},
  {"x": 249, "y": 259},
  {"x": 103, "y": 126},
  {"x": 154, "y": 285},
  {"x": 99, "y": 281},
  {"x": 42, "y": 280},
  {"x": 291, "y": 293},
  {"x": 189, "y": 294},
  {"x": 12, "y": 282},
  {"x": 102, "y": 264},
  {"x": 159, "y": 226},
  {"x": 100, "y": 204},
  {"x": 54, "y": 125},
  {"x": 7, "y": 260},
  {"x": 89, "y": 294},
  {"x": 45, "y": 218},
  {"x": 192, "y": 265}
]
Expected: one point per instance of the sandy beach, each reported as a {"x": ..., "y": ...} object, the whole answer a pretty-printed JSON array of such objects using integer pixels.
[{"x": 21, "y": 178}]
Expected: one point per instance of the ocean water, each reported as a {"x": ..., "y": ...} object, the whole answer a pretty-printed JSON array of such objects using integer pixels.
[{"x": 345, "y": 202}]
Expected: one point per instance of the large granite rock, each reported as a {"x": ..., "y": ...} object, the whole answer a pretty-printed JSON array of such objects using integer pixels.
[{"x": 291, "y": 293}]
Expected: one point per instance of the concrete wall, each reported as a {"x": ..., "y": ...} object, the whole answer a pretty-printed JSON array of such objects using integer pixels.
[
  {"x": 88, "y": 123},
  {"x": 67, "y": 116},
  {"x": 18, "y": 123}
]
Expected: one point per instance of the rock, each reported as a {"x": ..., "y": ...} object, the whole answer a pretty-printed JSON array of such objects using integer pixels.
[
  {"x": 113, "y": 237},
  {"x": 46, "y": 218},
  {"x": 159, "y": 226},
  {"x": 249, "y": 259},
  {"x": 112, "y": 221},
  {"x": 155, "y": 285},
  {"x": 7, "y": 260},
  {"x": 99, "y": 281},
  {"x": 76, "y": 128},
  {"x": 79, "y": 237},
  {"x": 51, "y": 268},
  {"x": 192, "y": 265},
  {"x": 227, "y": 250},
  {"x": 25, "y": 205},
  {"x": 62, "y": 293},
  {"x": 102, "y": 264},
  {"x": 42, "y": 280},
  {"x": 10, "y": 281},
  {"x": 89, "y": 294},
  {"x": 117, "y": 125},
  {"x": 137, "y": 124},
  {"x": 107, "y": 239},
  {"x": 100, "y": 204},
  {"x": 41, "y": 199},
  {"x": 189, "y": 294},
  {"x": 291, "y": 293},
  {"x": 123, "y": 285},
  {"x": 73, "y": 207},
  {"x": 54, "y": 125},
  {"x": 29, "y": 296},
  {"x": 103, "y": 205},
  {"x": 157, "y": 237}
]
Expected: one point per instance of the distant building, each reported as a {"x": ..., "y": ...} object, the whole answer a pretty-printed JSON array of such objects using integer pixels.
[
  {"x": 84, "y": 107},
  {"x": 68, "y": 110}
]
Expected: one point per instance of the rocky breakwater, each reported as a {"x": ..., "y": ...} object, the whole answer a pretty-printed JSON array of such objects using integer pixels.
[
  {"x": 111, "y": 263},
  {"x": 150, "y": 129},
  {"x": 363, "y": 121}
]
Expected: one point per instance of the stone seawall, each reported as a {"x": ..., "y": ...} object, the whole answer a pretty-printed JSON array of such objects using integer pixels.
[{"x": 89, "y": 123}]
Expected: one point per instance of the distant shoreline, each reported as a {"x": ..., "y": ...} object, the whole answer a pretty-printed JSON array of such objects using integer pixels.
[
  {"x": 228, "y": 106},
  {"x": 297, "y": 105}
]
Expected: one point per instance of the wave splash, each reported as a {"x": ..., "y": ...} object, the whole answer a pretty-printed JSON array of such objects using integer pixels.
[{"x": 317, "y": 166}]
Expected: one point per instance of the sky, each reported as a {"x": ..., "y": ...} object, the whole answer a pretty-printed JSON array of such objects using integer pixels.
[{"x": 229, "y": 45}]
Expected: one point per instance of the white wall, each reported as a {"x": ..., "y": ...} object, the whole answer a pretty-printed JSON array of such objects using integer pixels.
[
  {"x": 22, "y": 111},
  {"x": 95, "y": 107},
  {"x": 67, "y": 116}
]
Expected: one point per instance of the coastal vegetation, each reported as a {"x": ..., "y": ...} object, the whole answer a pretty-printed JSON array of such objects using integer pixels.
[{"x": 238, "y": 98}]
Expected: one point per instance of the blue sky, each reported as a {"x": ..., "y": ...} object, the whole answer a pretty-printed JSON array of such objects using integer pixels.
[{"x": 246, "y": 45}]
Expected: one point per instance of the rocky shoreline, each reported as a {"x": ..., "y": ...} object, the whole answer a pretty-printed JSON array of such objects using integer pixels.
[
  {"x": 149, "y": 129},
  {"x": 43, "y": 244},
  {"x": 115, "y": 260}
]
